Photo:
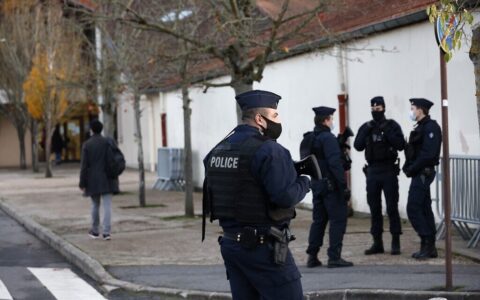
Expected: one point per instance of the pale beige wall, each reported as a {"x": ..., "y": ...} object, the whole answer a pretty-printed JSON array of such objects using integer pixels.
[{"x": 9, "y": 148}]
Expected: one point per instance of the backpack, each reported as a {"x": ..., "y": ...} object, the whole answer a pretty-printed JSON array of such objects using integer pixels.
[{"x": 115, "y": 161}]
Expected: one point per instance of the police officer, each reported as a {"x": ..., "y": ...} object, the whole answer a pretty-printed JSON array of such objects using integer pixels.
[
  {"x": 381, "y": 138},
  {"x": 330, "y": 195},
  {"x": 422, "y": 155},
  {"x": 251, "y": 187}
]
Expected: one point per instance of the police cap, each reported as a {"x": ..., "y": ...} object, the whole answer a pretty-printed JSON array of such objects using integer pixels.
[
  {"x": 378, "y": 100},
  {"x": 323, "y": 111},
  {"x": 257, "y": 98},
  {"x": 421, "y": 102}
]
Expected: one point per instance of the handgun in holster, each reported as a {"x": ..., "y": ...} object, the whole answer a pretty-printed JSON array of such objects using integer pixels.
[
  {"x": 309, "y": 166},
  {"x": 280, "y": 245},
  {"x": 397, "y": 167},
  {"x": 365, "y": 170}
]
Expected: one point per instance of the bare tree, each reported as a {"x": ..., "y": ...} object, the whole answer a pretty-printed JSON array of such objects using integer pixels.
[
  {"x": 179, "y": 60},
  {"x": 54, "y": 81},
  {"x": 133, "y": 53},
  {"x": 237, "y": 33},
  {"x": 16, "y": 52}
]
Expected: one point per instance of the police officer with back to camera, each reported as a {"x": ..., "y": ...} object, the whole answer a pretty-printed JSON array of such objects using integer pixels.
[
  {"x": 330, "y": 194},
  {"x": 381, "y": 138},
  {"x": 422, "y": 154},
  {"x": 251, "y": 187}
]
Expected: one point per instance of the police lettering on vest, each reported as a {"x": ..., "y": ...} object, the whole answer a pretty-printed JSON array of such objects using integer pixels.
[
  {"x": 235, "y": 193},
  {"x": 224, "y": 162}
]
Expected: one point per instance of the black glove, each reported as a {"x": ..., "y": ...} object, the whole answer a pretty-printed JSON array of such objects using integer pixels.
[
  {"x": 408, "y": 172},
  {"x": 308, "y": 166},
  {"x": 347, "y": 194},
  {"x": 370, "y": 126}
]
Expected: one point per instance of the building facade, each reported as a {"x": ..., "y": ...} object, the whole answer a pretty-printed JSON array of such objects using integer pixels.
[{"x": 398, "y": 64}]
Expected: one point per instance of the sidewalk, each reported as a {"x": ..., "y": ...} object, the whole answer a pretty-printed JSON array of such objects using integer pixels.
[{"x": 158, "y": 246}]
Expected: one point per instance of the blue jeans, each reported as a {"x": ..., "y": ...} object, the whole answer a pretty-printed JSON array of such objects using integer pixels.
[
  {"x": 58, "y": 157},
  {"x": 107, "y": 212}
]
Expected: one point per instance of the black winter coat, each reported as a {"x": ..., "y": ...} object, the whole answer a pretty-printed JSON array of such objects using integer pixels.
[{"x": 93, "y": 177}]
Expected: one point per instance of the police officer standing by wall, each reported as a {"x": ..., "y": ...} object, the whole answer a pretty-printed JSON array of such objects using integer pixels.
[
  {"x": 381, "y": 139},
  {"x": 251, "y": 187},
  {"x": 422, "y": 154},
  {"x": 330, "y": 195}
]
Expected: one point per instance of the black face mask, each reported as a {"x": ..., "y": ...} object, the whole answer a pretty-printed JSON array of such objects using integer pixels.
[
  {"x": 378, "y": 115},
  {"x": 273, "y": 130}
]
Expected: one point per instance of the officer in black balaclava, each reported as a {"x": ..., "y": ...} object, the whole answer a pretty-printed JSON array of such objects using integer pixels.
[{"x": 381, "y": 138}]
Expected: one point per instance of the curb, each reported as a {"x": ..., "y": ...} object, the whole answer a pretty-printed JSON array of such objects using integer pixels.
[
  {"x": 96, "y": 271},
  {"x": 359, "y": 294}
]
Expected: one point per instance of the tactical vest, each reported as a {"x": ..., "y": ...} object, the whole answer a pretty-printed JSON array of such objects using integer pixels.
[
  {"x": 378, "y": 149},
  {"x": 233, "y": 192},
  {"x": 414, "y": 144},
  {"x": 415, "y": 141}
]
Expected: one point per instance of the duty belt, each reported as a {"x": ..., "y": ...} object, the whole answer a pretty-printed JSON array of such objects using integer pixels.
[{"x": 248, "y": 237}]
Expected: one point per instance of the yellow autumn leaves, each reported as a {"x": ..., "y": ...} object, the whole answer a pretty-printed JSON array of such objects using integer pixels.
[
  {"x": 42, "y": 92},
  {"x": 50, "y": 86}
]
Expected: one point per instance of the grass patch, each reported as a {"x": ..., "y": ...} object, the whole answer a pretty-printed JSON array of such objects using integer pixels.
[
  {"x": 146, "y": 206},
  {"x": 179, "y": 218}
]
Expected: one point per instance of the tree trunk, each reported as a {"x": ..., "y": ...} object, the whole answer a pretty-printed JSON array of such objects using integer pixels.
[
  {"x": 188, "y": 164},
  {"x": 48, "y": 148},
  {"x": 108, "y": 110},
  {"x": 138, "y": 135},
  {"x": 475, "y": 57},
  {"x": 34, "y": 138},
  {"x": 241, "y": 87},
  {"x": 21, "y": 140}
]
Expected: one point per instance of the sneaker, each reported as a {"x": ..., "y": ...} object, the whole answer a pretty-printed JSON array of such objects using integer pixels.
[
  {"x": 93, "y": 235},
  {"x": 107, "y": 237}
]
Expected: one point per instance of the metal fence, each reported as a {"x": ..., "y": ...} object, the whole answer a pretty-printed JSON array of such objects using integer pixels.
[
  {"x": 170, "y": 170},
  {"x": 465, "y": 197}
]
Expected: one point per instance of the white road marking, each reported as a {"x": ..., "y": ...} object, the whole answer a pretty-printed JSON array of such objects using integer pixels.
[
  {"x": 65, "y": 285},
  {"x": 4, "y": 294}
]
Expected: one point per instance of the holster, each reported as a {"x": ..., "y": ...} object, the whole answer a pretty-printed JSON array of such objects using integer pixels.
[
  {"x": 428, "y": 171},
  {"x": 397, "y": 167},
  {"x": 365, "y": 170},
  {"x": 281, "y": 238}
]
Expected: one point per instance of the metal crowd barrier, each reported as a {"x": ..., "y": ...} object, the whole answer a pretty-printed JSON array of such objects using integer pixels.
[
  {"x": 465, "y": 197},
  {"x": 170, "y": 170}
]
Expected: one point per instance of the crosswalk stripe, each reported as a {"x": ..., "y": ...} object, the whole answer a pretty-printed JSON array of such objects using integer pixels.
[
  {"x": 65, "y": 285},
  {"x": 4, "y": 294}
]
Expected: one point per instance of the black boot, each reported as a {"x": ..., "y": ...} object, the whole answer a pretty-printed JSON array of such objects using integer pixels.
[
  {"x": 429, "y": 250},
  {"x": 377, "y": 246},
  {"x": 313, "y": 261},
  {"x": 395, "y": 244},
  {"x": 422, "y": 247},
  {"x": 339, "y": 263}
]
